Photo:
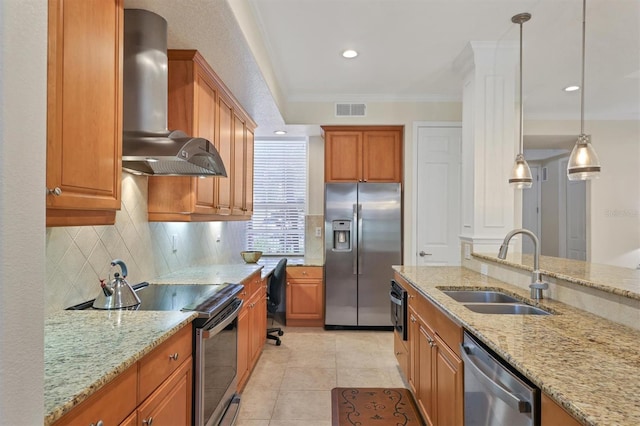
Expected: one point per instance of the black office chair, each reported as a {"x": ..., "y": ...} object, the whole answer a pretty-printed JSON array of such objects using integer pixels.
[{"x": 274, "y": 291}]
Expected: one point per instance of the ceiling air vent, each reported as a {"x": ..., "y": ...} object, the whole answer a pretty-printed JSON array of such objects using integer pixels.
[{"x": 351, "y": 110}]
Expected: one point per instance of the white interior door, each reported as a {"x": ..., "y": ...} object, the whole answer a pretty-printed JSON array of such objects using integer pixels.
[
  {"x": 576, "y": 230},
  {"x": 531, "y": 209},
  {"x": 438, "y": 195}
]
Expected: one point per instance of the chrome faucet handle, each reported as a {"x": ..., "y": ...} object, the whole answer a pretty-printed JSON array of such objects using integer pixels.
[{"x": 536, "y": 289}]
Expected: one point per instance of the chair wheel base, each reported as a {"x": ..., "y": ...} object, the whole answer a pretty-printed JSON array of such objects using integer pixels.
[{"x": 278, "y": 331}]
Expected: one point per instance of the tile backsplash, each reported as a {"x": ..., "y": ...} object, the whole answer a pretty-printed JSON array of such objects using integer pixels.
[{"x": 77, "y": 257}]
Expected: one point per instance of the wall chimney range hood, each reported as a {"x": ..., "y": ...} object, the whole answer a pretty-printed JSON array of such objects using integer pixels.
[{"x": 148, "y": 148}]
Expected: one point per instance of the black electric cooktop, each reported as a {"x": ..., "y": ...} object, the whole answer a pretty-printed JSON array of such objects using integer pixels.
[{"x": 205, "y": 299}]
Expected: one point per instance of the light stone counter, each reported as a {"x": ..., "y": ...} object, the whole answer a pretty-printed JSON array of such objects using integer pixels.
[
  {"x": 589, "y": 365},
  {"x": 623, "y": 282},
  {"x": 210, "y": 274},
  {"x": 84, "y": 350}
]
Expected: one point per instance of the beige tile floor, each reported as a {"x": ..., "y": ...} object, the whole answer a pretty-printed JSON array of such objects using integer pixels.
[{"x": 291, "y": 384}]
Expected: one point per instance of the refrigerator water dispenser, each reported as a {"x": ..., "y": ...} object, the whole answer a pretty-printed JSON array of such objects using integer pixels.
[{"x": 341, "y": 235}]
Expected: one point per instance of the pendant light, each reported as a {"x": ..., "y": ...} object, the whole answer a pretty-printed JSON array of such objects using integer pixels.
[
  {"x": 583, "y": 162},
  {"x": 520, "y": 177}
]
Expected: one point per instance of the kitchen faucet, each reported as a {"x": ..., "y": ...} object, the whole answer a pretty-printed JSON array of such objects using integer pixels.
[{"x": 537, "y": 285}]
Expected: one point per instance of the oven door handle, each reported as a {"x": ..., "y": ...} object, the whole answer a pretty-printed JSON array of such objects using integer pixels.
[
  {"x": 209, "y": 333},
  {"x": 504, "y": 394},
  {"x": 395, "y": 298}
]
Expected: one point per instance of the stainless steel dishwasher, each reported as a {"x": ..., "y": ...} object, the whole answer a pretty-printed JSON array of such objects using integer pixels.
[{"x": 494, "y": 393}]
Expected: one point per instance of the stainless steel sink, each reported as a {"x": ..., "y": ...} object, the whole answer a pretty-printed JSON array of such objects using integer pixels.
[
  {"x": 480, "y": 296},
  {"x": 505, "y": 309}
]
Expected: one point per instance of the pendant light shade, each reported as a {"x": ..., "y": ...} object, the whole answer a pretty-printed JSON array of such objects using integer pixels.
[
  {"x": 520, "y": 177},
  {"x": 583, "y": 162}
]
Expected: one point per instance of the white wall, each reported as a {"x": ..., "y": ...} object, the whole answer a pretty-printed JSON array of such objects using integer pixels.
[
  {"x": 613, "y": 200},
  {"x": 315, "y": 180},
  {"x": 23, "y": 70}
]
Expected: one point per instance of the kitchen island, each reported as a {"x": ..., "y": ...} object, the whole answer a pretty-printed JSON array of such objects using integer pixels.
[{"x": 585, "y": 363}]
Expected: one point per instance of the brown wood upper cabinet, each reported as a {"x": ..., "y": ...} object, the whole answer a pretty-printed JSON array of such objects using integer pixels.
[
  {"x": 363, "y": 153},
  {"x": 84, "y": 112},
  {"x": 201, "y": 105}
]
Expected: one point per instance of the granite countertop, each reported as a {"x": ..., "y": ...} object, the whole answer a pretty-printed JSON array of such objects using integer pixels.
[
  {"x": 612, "y": 279},
  {"x": 210, "y": 274},
  {"x": 585, "y": 363},
  {"x": 270, "y": 262},
  {"x": 84, "y": 350}
]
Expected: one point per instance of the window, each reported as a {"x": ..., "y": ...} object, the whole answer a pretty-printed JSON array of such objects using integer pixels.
[{"x": 279, "y": 196}]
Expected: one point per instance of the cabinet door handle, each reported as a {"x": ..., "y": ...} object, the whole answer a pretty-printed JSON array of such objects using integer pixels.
[
  {"x": 174, "y": 356},
  {"x": 148, "y": 421},
  {"x": 55, "y": 191},
  {"x": 100, "y": 423}
]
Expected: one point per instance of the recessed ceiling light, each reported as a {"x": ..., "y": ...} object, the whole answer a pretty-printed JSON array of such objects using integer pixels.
[
  {"x": 571, "y": 88},
  {"x": 280, "y": 132},
  {"x": 349, "y": 53}
]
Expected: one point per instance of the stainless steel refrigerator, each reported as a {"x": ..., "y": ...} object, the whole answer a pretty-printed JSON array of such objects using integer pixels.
[{"x": 363, "y": 238}]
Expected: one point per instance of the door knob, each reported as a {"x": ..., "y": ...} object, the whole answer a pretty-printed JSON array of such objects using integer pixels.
[{"x": 423, "y": 254}]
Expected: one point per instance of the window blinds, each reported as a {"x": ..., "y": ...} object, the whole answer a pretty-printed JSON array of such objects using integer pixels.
[{"x": 279, "y": 196}]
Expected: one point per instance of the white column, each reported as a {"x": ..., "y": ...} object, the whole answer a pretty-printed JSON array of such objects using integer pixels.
[{"x": 489, "y": 142}]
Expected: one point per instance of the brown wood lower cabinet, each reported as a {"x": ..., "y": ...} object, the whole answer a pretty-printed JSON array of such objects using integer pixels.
[
  {"x": 434, "y": 369},
  {"x": 553, "y": 414},
  {"x": 157, "y": 389},
  {"x": 170, "y": 404},
  {"x": 402, "y": 353},
  {"x": 305, "y": 296},
  {"x": 252, "y": 326}
]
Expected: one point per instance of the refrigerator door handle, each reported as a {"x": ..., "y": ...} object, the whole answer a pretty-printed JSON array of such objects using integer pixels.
[
  {"x": 354, "y": 250},
  {"x": 360, "y": 245}
]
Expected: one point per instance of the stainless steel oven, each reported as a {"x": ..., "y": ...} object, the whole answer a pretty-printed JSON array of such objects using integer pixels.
[
  {"x": 216, "y": 368},
  {"x": 398, "y": 296}
]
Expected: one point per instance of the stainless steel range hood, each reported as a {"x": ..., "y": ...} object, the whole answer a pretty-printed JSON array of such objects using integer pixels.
[{"x": 148, "y": 148}]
